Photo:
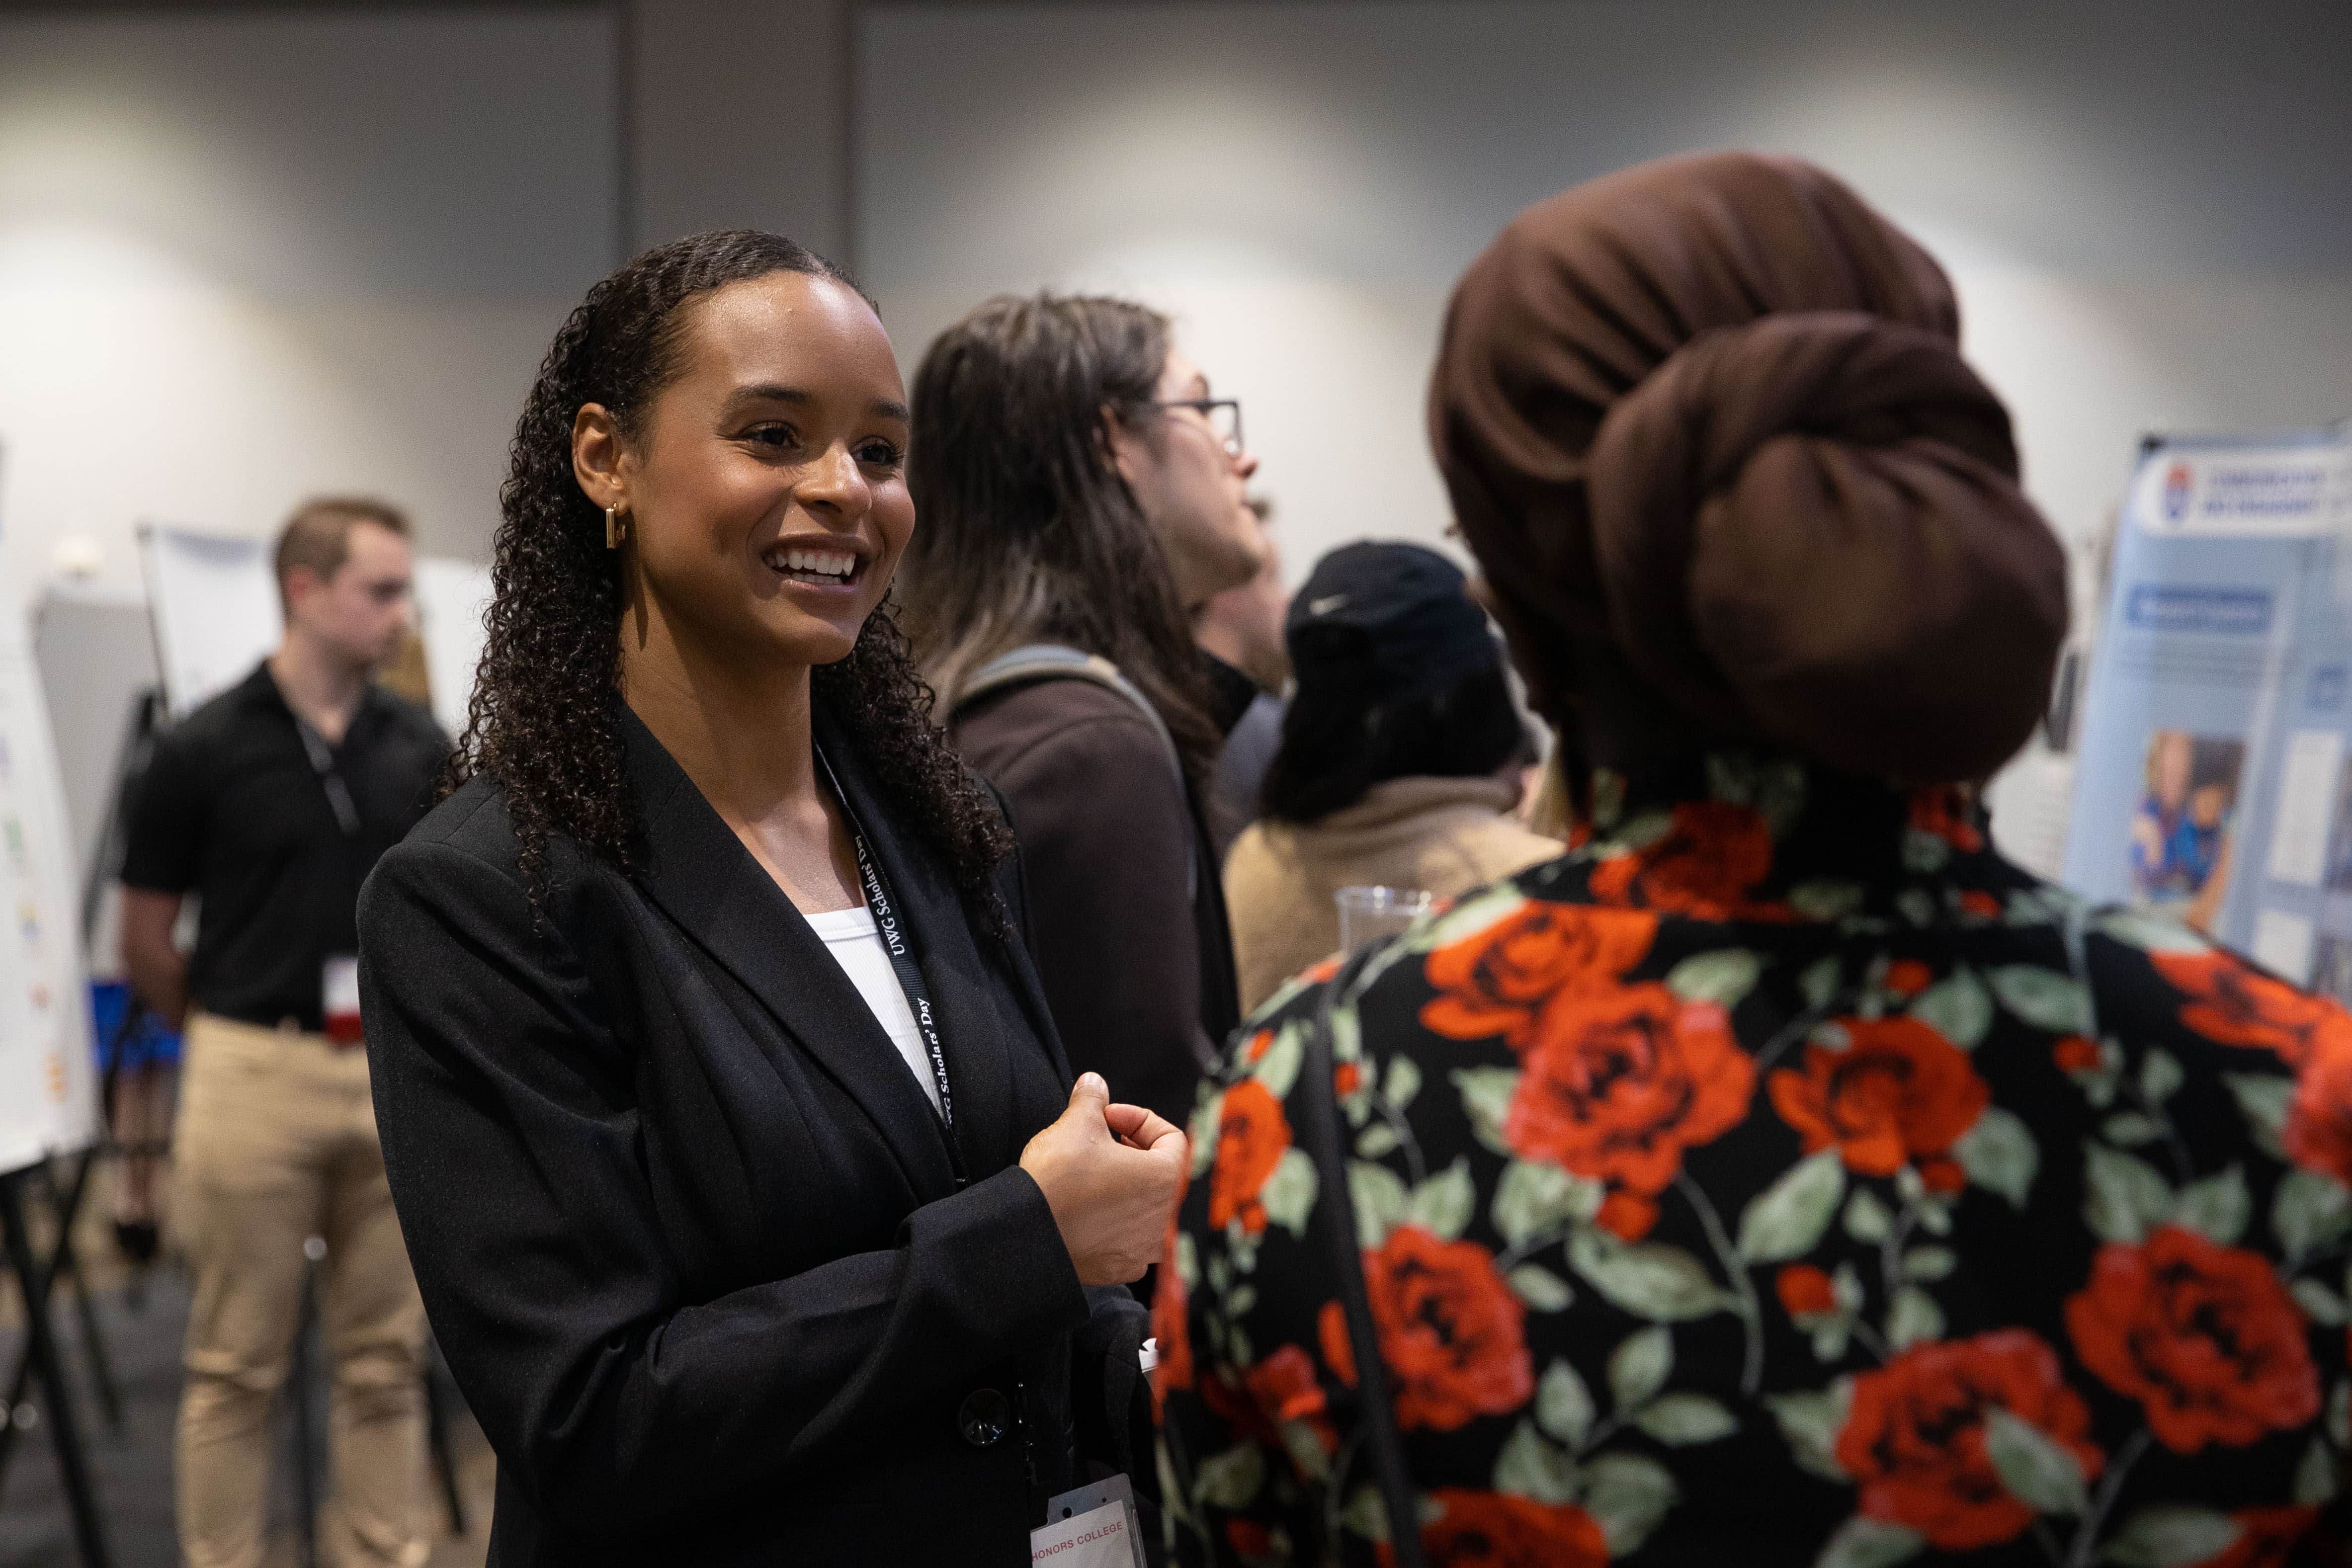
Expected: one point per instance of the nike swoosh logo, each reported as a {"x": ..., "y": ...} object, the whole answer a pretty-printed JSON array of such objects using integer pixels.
[{"x": 1325, "y": 606}]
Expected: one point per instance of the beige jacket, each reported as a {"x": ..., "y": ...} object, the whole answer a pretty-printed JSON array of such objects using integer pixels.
[{"x": 1447, "y": 836}]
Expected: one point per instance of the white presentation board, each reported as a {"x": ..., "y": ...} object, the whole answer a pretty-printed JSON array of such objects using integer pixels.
[
  {"x": 214, "y": 602},
  {"x": 49, "y": 1079},
  {"x": 452, "y": 596},
  {"x": 213, "y": 599}
]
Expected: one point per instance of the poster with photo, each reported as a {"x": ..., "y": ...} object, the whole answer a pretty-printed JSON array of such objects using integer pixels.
[
  {"x": 2180, "y": 841},
  {"x": 2213, "y": 784}
]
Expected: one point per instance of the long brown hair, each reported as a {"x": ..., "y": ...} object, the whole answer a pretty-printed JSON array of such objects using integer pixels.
[
  {"x": 1027, "y": 533},
  {"x": 545, "y": 721}
]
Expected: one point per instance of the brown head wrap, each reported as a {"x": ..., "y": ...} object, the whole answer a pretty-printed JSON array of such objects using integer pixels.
[{"x": 1706, "y": 428}]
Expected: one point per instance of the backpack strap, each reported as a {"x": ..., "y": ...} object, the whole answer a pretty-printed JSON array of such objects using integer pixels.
[
  {"x": 1052, "y": 660},
  {"x": 1037, "y": 662}
]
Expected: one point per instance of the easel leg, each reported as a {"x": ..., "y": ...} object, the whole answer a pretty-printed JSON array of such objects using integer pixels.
[
  {"x": 20, "y": 1378},
  {"x": 20, "y": 1382},
  {"x": 42, "y": 1354},
  {"x": 93, "y": 1350},
  {"x": 437, "y": 1429},
  {"x": 67, "y": 1265},
  {"x": 299, "y": 1387}
]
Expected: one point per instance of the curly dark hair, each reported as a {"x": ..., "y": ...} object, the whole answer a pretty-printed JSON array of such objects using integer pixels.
[{"x": 545, "y": 721}]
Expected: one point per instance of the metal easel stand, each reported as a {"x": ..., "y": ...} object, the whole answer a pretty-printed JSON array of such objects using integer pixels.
[
  {"x": 41, "y": 1359},
  {"x": 301, "y": 1384},
  {"x": 66, "y": 1198},
  {"x": 65, "y": 1202},
  {"x": 436, "y": 1432}
]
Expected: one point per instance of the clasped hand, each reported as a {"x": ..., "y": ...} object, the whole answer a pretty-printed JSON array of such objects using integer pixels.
[{"x": 1112, "y": 1174}]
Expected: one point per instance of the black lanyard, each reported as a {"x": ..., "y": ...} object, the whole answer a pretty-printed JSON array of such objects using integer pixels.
[
  {"x": 888, "y": 922},
  {"x": 330, "y": 778}
]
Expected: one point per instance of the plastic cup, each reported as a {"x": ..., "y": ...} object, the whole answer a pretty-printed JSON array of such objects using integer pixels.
[{"x": 1368, "y": 913}]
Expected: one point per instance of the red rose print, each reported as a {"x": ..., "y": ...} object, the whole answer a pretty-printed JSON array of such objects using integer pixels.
[
  {"x": 1450, "y": 1329},
  {"x": 1494, "y": 981},
  {"x": 2320, "y": 1119},
  {"x": 1898, "y": 1091},
  {"x": 1252, "y": 1134},
  {"x": 1499, "y": 1529},
  {"x": 1283, "y": 1387},
  {"x": 1705, "y": 866},
  {"x": 1939, "y": 1173},
  {"x": 1347, "y": 1078},
  {"x": 1223, "y": 1393},
  {"x": 1805, "y": 1291},
  {"x": 1627, "y": 1213},
  {"x": 1169, "y": 1327},
  {"x": 1944, "y": 811},
  {"x": 1259, "y": 1044},
  {"x": 2235, "y": 1004},
  {"x": 2267, "y": 1537},
  {"x": 1339, "y": 1350},
  {"x": 2076, "y": 1053},
  {"x": 1248, "y": 1538},
  {"x": 1978, "y": 902},
  {"x": 1908, "y": 977},
  {"x": 1914, "y": 1439},
  {"x": 2204, "y": 1336},
  {"x": 1619, "y": 1082}
]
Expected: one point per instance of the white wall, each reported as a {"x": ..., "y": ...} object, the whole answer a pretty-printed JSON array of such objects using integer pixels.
[
  {"x": 740, "y": 118},
  {"x": 248, "y": 257},
  {"x": 2142, "y": 204}
]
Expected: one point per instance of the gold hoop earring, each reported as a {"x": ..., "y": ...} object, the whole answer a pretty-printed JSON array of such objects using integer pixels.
[{"x": 616, "y": 529}]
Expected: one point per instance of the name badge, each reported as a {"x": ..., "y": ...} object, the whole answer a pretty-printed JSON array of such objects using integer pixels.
[
  {"x": 1091, "y": 1527},
  {"x": 339, "y": 998}
]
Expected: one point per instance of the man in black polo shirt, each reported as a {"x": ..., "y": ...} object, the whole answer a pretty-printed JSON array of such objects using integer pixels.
[{"x": 271, "y": 803}]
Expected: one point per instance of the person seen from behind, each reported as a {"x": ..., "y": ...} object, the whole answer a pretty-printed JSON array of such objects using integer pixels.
[
  {"x": 1783, "y": 1177},
  {"x": 1400, "y": 759},
  {"x": 1083, "y": 492},
  {"x": 271, "y": 803}
]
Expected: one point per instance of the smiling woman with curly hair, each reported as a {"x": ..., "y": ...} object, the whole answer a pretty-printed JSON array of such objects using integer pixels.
[{"x": 742, "y": 1173}]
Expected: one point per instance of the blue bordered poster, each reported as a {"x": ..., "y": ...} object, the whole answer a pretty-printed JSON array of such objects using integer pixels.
[{"x": 2215, "y": 781}]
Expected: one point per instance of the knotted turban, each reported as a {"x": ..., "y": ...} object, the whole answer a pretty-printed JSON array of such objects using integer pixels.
[{"x": 1706, "y": 428}]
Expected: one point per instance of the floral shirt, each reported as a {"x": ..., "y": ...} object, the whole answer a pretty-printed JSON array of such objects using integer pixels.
[{"x": 1780, "y": 1177}]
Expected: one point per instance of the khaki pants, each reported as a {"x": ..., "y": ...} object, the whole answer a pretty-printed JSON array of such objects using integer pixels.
[{"x": 276, "y": 1144}]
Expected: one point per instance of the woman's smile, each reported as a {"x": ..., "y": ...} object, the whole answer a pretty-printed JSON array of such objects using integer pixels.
[{"x": 828, "y": 568}]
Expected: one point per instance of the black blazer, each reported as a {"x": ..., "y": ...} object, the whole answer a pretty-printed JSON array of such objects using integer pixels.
[{"x": 687, "y": 1228}]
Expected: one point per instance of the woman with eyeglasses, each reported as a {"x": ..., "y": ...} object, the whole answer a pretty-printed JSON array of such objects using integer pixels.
[{"x": 1083, "y": 492}]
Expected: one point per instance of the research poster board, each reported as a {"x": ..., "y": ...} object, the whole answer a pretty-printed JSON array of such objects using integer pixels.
[
  {"x": 452, "y": 597},
  {"x": 214, "y": 602},
  {"x": 48, "y": 1078},
  {"x": 2214, "y": 780}
]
